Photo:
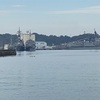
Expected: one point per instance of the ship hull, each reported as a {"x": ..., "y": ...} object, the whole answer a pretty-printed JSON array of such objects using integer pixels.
[
  {"x": 30, "y": 49},
  {"x": 30, "y": 45},
  {"x": 20, "y": 48}
]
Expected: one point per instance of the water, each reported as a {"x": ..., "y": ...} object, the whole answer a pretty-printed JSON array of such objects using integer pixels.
[{"x": 51, "y": 75}]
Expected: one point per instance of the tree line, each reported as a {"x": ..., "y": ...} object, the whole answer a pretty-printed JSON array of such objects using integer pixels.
[
  {"x": 57, "y": 40},
  {"x": 50, "y": 40}
]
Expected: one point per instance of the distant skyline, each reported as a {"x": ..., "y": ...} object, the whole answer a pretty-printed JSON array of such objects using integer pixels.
[{"x": 50, "y": 17}]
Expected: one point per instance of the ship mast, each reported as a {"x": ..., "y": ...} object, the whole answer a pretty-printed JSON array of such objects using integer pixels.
[
  {"x": 30, "y": 34},
  {"x": 19, "y": 32},
  {"x": 96, "y": 34}
]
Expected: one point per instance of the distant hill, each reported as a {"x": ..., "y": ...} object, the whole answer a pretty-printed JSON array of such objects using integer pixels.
[
  {"x": 51, "y": 39},
  {"x": 57, "y": 40},
  {"x": 88, "y": 36},
  {"x": 7, "y": 39}
]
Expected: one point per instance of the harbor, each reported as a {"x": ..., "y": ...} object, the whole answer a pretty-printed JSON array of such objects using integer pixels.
[
  {"x": 28, "y": 41},
  {"x": 24, "y": 42},
  {"x": 49, "y": 50}
]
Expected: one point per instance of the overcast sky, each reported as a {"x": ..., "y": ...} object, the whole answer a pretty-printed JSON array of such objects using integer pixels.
[{"x": 55, "y": 17}]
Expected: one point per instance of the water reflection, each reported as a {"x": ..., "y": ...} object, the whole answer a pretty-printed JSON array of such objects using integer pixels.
[
  {"x": 20, "y": 53},
  {"x": 28, "y": 53}
]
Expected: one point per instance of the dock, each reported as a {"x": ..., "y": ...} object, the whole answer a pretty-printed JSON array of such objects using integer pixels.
[{"x": 7, "y": 52}]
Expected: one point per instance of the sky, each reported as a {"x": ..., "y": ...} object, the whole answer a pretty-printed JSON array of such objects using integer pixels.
[{"x": 50, "y": 17}]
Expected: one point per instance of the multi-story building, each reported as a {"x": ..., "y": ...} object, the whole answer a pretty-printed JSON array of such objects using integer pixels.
[{"x": 40, "y": 45}]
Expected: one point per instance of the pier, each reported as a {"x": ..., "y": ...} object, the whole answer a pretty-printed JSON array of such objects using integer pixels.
[{"x": 7, "y": 52}]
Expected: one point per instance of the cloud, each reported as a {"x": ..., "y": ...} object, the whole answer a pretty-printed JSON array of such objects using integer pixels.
[
  {"x": 87, "y": 10},
  {"x": 7, "y": 12},
  {"x": 18, "y": 6},
  {"x": 10, "y": 11}
]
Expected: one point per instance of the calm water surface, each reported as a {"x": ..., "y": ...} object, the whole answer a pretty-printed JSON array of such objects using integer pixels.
[{"x": 51, "y": 75}]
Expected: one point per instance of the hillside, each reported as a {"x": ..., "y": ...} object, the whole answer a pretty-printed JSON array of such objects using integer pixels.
[
  {"x": 51, "y": 39},
  {"x": 57, "y": 40}
]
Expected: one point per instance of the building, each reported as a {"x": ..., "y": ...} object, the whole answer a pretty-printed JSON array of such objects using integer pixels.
[
  {"x": 6, "y": 46},
  {"x": 40, "y": 45}
]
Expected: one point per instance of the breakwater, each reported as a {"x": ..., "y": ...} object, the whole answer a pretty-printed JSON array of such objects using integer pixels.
[{"x": 7, "y": 52}]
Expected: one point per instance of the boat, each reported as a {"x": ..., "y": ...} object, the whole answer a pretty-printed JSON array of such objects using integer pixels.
[
  {"x": 26, "y": 41},
  {"x": 30, "y": 45},
  {"x": 20, "y": 45}
]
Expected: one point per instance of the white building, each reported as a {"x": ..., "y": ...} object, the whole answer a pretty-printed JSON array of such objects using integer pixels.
[
  {"x": 6, "y": 46},
  {"x": 40, "y": 45}
]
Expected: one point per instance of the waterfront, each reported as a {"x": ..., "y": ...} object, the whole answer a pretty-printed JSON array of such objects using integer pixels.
[{"x": 51, "y": 75}]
